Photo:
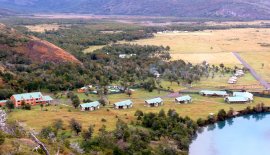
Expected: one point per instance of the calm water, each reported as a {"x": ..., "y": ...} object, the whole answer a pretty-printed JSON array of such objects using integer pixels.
[{"x": 248, "y": 135}]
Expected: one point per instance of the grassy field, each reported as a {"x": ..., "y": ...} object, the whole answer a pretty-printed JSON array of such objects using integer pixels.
[
  {"x": 256, "y": 59},
  {"x": 200, "y": 107},
  {"x": 215, "y": 46},
  {"x": 92, "y": 48},
  {"x": 43, "y": 27}
]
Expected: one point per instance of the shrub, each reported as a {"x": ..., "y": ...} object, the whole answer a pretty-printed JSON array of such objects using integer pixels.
[
  {"x": 103, "y": 120},
  {"x": 75, "y": 126},
  {"x": 2, "y": 138}
]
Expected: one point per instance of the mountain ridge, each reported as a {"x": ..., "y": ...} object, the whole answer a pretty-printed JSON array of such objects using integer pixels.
[{"x": 248, "y": 9}]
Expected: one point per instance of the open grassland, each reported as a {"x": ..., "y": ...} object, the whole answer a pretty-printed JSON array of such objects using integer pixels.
[
  {"x": 43, "y": 27},
  {"x": 221, "y": 81},
  {"x": 256, "y": 59},
  {"x": 215, "y": 46},
  {"x": 92, "y": 48},
  {"x": 200, "y": 107}
]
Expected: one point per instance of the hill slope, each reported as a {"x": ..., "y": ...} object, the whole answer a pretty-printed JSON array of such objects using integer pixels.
[
  {"x": 248, "y": 9},
  {"x": 33, "y": 48}
]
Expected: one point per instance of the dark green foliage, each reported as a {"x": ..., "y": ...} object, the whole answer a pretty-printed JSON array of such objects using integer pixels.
[
  {"x": 2, "y": 138},
  {"x": 221, "y": 115},
  {"x": 201, "y": 122},
  {"x": 47, "y": 132},
  {"x": 26, "y": 106},
  {"x": 75, "y": 101},
  {"x": 10, "y": 105},
  {"x": 58, "y": 124},
  {"x": 75, "y": 126},
  {"x": 178, "y": 128},
  {"x": 87, "y": 135},
  {"x": 5, "y": 93}
]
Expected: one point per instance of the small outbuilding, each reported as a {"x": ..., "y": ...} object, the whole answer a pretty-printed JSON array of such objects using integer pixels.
[
  {"x": 90, "y": 106},
  {"x": 123, "y": 104},
  {"x": 237, "y": 99},
  {"x": 213, "y": 93},
  {"x": 247, "y": 95},
  {"x": 183, "y": 99},
  {"x": 155, "y": 102}
]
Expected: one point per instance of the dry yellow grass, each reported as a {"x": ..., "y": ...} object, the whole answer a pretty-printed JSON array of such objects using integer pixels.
[
  {"x": 200, "y": 107},
  {"x": 213, "y": 58},
  {"x": 256, "y": 59},
  {"x": 212, "y": 45},
  {"x": 92, "y": 48},
  {"x": 43, "y": 27}
]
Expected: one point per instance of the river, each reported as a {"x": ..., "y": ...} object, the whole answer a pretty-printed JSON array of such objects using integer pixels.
[{"x": 246, "y": 135}]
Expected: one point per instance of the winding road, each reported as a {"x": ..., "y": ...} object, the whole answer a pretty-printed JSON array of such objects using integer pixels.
[{"x": 252, "y": 71}]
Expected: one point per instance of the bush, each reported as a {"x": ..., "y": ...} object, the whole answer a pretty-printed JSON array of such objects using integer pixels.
[
  {"x": 75, "y": 126},
  {"x": 221, "y": 115},
  {"x": 26, "y": 107},
  {"x": 201, "y": 122},
  {"x": 2, "y": 138},
  {"x": 103, "y": 120}
]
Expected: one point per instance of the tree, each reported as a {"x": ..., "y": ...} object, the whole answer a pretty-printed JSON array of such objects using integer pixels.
[
  {"x": 139, "y": 114},
  {"x": 75, "y": 101},
  {"x": 75, "y": 126},
  {"x": 221, "y": 115},
  {"x": 87, "y": 135},
  {"x": 10, "y": 105},
  {"x": 162, "y": 113},
  {"x": 230, "y": 112},
  {"x": 58, "y": 124},
  {"x": 201, "y": 122}
]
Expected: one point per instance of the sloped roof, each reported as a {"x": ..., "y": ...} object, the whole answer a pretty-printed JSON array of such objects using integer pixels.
[
  {"x": 91, "y": 104},
  {"x": 237, "y": 99},
  {"x": 27, "y": 96},
  {"x": 183, "y": 98},
  {"x": 154, "y": 100},
  {"x": 123, "y": 103},
  {"x": 47, "y": 98},
  {"x": 243, "y": 94},
  {"x": 210, "y": 92},
  {"x": 3, "y": 101}
]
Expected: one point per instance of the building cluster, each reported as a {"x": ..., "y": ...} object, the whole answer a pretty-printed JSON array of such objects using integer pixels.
[
  {"x": 93, "y": 89},
  {"x": 235, "y": 97},
  {"x": 234, "y": 78},
  {"x": 33, "y": 99},
  {"x": 126, "y": 104},
  {"x": 126, "y": 56}
]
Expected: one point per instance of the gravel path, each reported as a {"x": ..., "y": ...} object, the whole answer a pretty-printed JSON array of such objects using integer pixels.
[{"x": 252, "y": 71}]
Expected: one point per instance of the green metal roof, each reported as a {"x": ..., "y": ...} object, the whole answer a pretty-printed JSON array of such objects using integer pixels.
[
  {"x": 27, "y": 96},
  {"x": 243, "y": 94},
  {"x": 123, "y": 103},
  {"x": 237, "y": 99},
  {"x": 47, "y": 98},
  {"x": 154, "y": 100},
  {"x": 183, "y": 98},
  {"x": 211, "y": 92},
  {"x": 91, "y": 104}
]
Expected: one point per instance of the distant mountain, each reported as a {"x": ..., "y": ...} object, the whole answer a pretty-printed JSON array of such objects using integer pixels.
[
  {"x": 245, "y": 9},
  {"x": 35, "y": 49},
  {"x": 6, "y": 12}
]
